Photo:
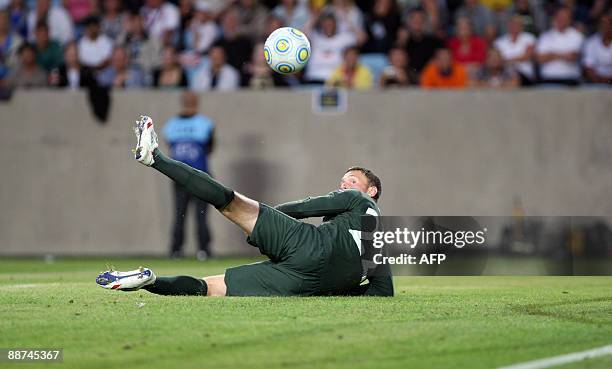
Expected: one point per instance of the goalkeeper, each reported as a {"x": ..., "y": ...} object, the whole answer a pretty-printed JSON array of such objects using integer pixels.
[{"x": 304, "y": 260}]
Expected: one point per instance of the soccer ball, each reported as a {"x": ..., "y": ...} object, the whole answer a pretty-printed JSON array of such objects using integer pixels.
[{"x": 287, "y": 50}]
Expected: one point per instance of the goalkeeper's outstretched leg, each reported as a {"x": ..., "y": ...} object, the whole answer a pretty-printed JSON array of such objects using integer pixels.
[{"x": 236, "y": 207}]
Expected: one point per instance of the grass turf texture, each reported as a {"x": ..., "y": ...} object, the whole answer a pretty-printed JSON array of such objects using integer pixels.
[{"x": 433, "y": 322}]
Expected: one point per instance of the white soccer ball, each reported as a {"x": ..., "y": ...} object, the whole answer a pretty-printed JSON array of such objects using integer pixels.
[{"x": 287, "y": 50}]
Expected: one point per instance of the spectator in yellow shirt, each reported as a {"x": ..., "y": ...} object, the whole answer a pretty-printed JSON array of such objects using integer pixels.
[{"x": 351, "y": 74}]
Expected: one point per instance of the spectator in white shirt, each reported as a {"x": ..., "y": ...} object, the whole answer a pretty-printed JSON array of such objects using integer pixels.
[
  {"x": 327, "y": 47},
  {"x": 95, "y": 48},
  {"x": 349, "y": 18},
  {"x": 203, "y": 31},
  {"x": 597, "y": 59},
  {"x": 57, "y": 18},
  {"x": 217, "y": 75},
  {"x": 516, "y": 48},
  {"x": 558, "y": 50},
  {"x": 161, "y": 18}
]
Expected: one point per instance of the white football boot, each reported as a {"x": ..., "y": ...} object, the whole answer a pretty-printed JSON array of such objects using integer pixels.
[
  {"x": 147, "y": 140},
  {"x": 126, "y": 281}
]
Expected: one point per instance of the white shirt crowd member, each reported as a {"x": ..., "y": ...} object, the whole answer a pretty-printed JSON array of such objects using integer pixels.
[
  {"x": 598, "y": 56},
  {"x": 161, "y": 19},
  {"x": 92, "y": 53},
  {"x": 512, "y": 49},
  {"x": 554, "y": 41},
  {"x": 327, "y": 54},
  {"x": 60, "y": 25},
  {"x": 228, "y": 79}
]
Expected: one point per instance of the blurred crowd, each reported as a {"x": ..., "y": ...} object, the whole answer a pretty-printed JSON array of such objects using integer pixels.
[{"x": 218, "y": 44}]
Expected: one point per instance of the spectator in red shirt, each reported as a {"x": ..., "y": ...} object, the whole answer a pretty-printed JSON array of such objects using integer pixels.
[{"x": 466, "y": 47}]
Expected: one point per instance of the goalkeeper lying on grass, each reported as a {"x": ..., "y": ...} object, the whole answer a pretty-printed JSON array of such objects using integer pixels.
[{"x": 305, "y": 260}]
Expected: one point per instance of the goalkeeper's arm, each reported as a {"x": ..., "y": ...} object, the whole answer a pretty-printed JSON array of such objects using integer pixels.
[{"x": 331, "y": 204}]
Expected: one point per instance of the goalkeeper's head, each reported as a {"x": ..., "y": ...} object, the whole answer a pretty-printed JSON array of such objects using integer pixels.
[{"x": 362, "y": 179}]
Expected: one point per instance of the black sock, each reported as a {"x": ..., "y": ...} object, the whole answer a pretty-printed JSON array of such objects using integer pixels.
[
  {"x": 179, "y": 285},
  {"x": 196, "y": 182}
]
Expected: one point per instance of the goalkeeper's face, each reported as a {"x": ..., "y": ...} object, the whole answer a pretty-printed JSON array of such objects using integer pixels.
[{"x": 356, "y": 180}]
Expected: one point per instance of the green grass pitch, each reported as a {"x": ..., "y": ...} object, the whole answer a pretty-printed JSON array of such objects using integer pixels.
[{"x": 433, "y": 322}]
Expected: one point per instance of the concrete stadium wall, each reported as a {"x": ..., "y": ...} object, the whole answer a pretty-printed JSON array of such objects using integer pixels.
[{"x": 69, "y": 185}]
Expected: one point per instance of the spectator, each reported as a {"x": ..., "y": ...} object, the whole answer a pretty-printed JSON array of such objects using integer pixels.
[
  {"x": 252, "y": 18},
  {"x": 419, "y": 45},
  {"x": 186, "y": 13},
  {"x": 28, "y": 74},
  {"x": 113, "y": 18},
  {"x": 558, "y": 50},
  {"x": 531, "y": 13},
  {"x": 398, "y": 73},
  {"x": 498, "y": 9},
  {"x": 119, "y": 74},
  {"x": 495, "y": 73},
  {"x": 143, "y": 51},
  {"x": 79, "y": 10},
  {"x": 467, "y": 48},
  {"x": 9, "y": 45},
  {"x": 95, "y": 48},
  {"x": 71, "y": 74},
  {"x": 293, "y": 12},
  {"x": 56, "y": 17},
  {"x": 191, "y": 139},
  {"x": 217, "y": 75},
  {"x": 517, "y": 48},
  {"x": 434, "y": 16},
  {"x": 203, "y": 30},
  {"x": 351, "y": 74},
  {"x": 598, "y": 9},
  {"x": 480, "y": 17},
  {"x": 327, "y": 45},
  {"x": 272, "y": 24},
  {"x": 161, "y": 18},
  {"x": 259, "y": 75},
  {"x": 170, "y": 74},
  {"x": 48, "y": 52},
  {"x": 237, "y": 47},
  {"x": 18, "y": 15},
  {"x": 579, "y": 14},
  {"x": 349, "y": 18},
  {"x": 443, "y": 72},
  {"x": 381, "y": 26},
  {"x": 597, "y": 58}
]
